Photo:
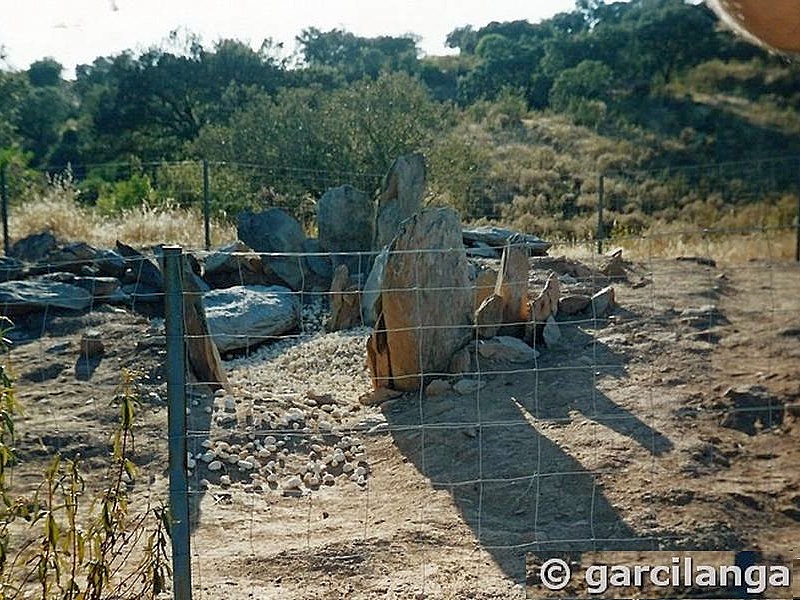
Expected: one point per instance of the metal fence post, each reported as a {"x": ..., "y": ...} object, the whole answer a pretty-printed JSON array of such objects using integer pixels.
[
  {"x": 176, "y": 410},
  {"x": 4, "y": 208},
  {"x": 600, "y": 200},
  {"x": 206, "y": 205}
]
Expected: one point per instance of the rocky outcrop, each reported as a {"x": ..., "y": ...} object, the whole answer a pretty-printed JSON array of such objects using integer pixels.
[{"x": 426, "y": 302}]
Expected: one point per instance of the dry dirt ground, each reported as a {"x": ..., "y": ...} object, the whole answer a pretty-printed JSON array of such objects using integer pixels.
[{"x": 624, "y": 436}]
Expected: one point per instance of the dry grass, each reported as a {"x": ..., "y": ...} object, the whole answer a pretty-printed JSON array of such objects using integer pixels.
[
  {"x": 58, "y": 211},
  {"x": 725, "y": 247}
]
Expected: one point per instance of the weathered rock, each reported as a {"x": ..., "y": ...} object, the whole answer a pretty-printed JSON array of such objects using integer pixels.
[
  {"x": 244, "y": 316},
  {"x": 614, "y": 268},
  {"x": 507, "y": 349},
  {"x": 485, "y": 283},
  {"x": 512, "y": 285},
  {"x": 426, "y": 302},
  {"x": 752, "y": 409},
  {"x": 34, "y": 248},
  {"x": 10, "y": 268},
  {"x": 498, "y": 237},
  {"x": 345, "y": 220},
  {"x": 203, "y": 354},
  {"x": 466, "y": 387},
  {"x": 345, "y": 302},
  {"x": 234, "y": 264},
  {"x": 546, "y": 302},
  {"x": 704, "y": 317},
  {"x": 438, "y": 387},
  {"x": 371, "y": 294},
  {"x": 101, "y": 288},
  {"x": 92, "y": 344},
  {"x": 489, "y": 316},
  {"x": 460, "y": 362},
  {"x": 602, "y": 302},
  {"x": 140, "y": 270},
  {"x": 545, "y": 305},
  {"x": 318, "y": 263},
  {"x": 572, "y": 304},
  {"x": 551, "y": 332},
  {"x": 569, "y": 266},
  {"x": 272, "y": 233},
  {"x": 72, "y": 257},
  {"x": 482, "y": 250},
  {"x": 30, "y": 295},
  {"x": 400, "y": 197}
]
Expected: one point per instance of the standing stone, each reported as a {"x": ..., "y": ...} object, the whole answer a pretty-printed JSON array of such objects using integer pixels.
[
  {"x": 400, "y": 197},
  {"x": 512, "y": 285},
  {"x": 345, "y": 305},
  {"x": 275, "y": 231},
  {"x": 489, "y": 316},
  {"x": 544, "y": 306},
  {"x": 485, "y": 283},
  {"x": 344, "y": 219},
  {"x": 426, "y": 302}
]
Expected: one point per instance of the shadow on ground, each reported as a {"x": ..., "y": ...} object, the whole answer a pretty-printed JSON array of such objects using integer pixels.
[{"x": 516, "y": 488}]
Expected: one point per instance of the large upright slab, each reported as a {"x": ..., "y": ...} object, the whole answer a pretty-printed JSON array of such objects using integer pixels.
[
  {"x": 344, "y": 221},
  {"x": 426, "y": 302},
  {"x": 275, "y": 231},
  {"x": 400, "y": 197}
]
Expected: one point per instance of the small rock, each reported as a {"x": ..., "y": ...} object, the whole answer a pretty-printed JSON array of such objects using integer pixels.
[
  {"x": 507, "y": 349},
  {"x": 602, "y": 301},
  {"x": 438, "y": 387},
  {"x": 292, "y": 483},
  {"x": 225, "y": 480},
  {"x": 468, "y": 386},
  {"x": 572, "y": 304},
  {"x": 92, "y": 344},
  {"x": 214, "y": 465}
]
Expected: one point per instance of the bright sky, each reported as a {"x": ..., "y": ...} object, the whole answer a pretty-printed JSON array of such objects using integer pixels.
[{"x": 77, "y": 31}]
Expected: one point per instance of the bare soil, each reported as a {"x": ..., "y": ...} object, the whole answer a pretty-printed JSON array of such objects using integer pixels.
[{"x": 624, "y": 436}]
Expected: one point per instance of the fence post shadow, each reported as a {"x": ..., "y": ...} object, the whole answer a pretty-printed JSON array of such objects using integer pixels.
[{"x": 515, "y": 487}]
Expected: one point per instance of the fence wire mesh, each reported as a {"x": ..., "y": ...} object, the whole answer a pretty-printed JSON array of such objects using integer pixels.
[{"x": 660, "y": 415}]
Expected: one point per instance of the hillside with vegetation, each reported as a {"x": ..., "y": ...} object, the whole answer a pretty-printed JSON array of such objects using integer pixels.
[{"x": 686, "y": 123}]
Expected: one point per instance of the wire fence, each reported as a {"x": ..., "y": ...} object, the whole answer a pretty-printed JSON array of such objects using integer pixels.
[{"x": 606, "y": 401}]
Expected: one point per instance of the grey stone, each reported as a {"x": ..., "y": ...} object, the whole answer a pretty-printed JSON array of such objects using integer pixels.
[
  {"x": 572, "y": 304},
  {"x": 372, "y": 289},
  {"x": 498, "y": 237},
  {"x": 234, "y": 264},
  {"x": 34, "y": 248},
  {"x": 400, "y": 197},
  {"x": 602, "y": 302},
  {"x": 317, "y": 261},
  {"x": 551, "y": 332},
  {"x": 241, "y": 317},
  {"x": 10, "y": 268},
  {"x": 273, "y": 233},
  {"x": 507, "y": 349},
  {"x": 20, "y": 297},
  {"x": 344, "y": 220},
  {"x": 140, "y": 269},
  {"x": 101, "y": 288},
  {"x": 92, "y": 344}
]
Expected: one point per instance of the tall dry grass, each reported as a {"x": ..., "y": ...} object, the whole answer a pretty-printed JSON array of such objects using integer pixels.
[{"x": 57, "y": 210}]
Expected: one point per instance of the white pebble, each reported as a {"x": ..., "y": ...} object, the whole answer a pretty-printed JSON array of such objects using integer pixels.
[
  {"x": 225, "y": 480},
  {"x": 214, "y": 465},
  {"x": 245, "y": 465},
  {"x": 292, "y": 483}
]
